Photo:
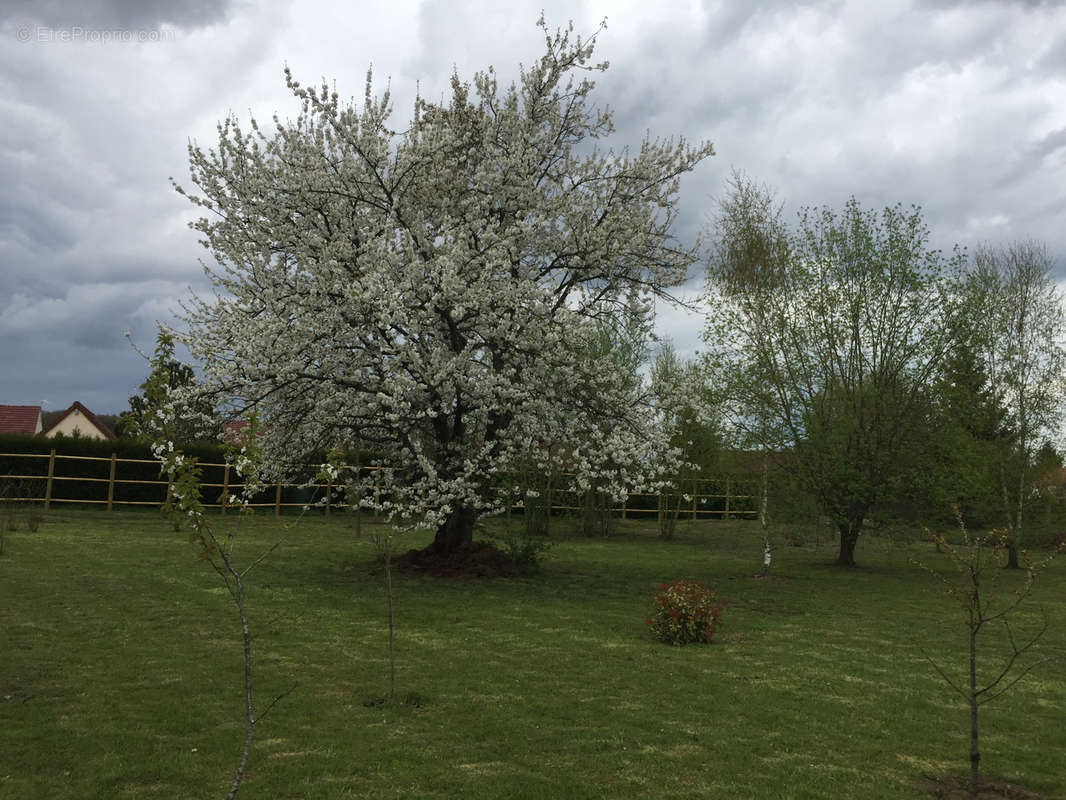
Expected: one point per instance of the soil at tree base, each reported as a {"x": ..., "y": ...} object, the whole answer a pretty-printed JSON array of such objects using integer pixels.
[
  {"x": 958, "y": 788},
  {"x": 475, "y": 560}
]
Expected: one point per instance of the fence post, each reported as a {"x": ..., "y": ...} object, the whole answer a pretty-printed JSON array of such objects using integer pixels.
[
  {"x": 548, "y": 505},
  {"x": 625, "y": 502},
  {"x": 728, "y": 490},
  {"x": 111, "y": 483},
  {"x": 225, "y": 488},
  {"x": 277, "y": 500},
  {"x": 377, "y": 491},
  {"x": 695, "y": 487},
  {"x": 358, "y": 496},
  {"x": 329, "y": 493},
  {"x": 51, "y": 474}
]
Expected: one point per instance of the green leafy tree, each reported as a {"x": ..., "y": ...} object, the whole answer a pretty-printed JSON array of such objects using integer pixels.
[
  {"x": 966, "y": 431},
  {"x": 689, "y": 429},
  {"x": 839, "y": 326},
  {"x": 617, "y": 342},
  {"x": 167, "y": 379}
]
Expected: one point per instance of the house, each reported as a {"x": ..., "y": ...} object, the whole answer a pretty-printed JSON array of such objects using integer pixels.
[
  {"x": 233, "y": 432},
  {"x": 20, "y": 419},
  {"x": 79, "y": 421},
  {"x": 1052, "y": 483}
]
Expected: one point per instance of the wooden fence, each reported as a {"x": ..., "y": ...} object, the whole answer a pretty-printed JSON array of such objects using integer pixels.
[{"x": 729, "y": 503}]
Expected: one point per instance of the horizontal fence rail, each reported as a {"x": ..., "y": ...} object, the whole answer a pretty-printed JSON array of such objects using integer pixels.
[{"x": 52, "y": 478}]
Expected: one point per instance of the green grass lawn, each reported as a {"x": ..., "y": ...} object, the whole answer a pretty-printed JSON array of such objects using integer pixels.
[{"x": 120, "y": 671}]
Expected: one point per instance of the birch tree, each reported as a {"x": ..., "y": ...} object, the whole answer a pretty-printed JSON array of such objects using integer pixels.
[
  {"x": 427, "y": 291},
  {"x": 1022, "y": 326},
  {"x": 748, "y": 261}
]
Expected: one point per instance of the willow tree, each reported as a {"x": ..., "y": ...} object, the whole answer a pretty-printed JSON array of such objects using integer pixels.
[
  {"x": 427, "y": 292},
  {"x": 834, "y": 330}
]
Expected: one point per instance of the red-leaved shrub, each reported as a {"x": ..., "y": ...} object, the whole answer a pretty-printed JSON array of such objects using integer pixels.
[{"x": 684, "y": 612}]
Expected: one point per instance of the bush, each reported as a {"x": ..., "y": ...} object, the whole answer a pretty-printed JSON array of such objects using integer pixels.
[
  {"x": 524, "y": 550},
  {"x": 684, "y": 612}
]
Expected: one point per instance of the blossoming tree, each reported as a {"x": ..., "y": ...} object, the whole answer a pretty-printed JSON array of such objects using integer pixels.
[{"x": 430, "y": 293}]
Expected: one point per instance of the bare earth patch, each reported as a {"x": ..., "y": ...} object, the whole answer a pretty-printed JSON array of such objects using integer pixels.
[
  {"x": 957, "y": 788},
  {"x": 477, "y": 560}
]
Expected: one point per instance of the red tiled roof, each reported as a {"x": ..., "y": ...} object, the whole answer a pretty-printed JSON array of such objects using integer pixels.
[
  {"x": 1056, "y": 476},
  {"x": 89, "y": 416},
  {"x": 233, "y": 431},
  {"x": 19, "y": 419}
]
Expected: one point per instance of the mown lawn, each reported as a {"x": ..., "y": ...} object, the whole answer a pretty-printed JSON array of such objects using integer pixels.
[{"x": 120, "y": 671}]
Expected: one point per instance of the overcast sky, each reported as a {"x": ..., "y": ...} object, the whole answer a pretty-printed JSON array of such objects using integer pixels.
[{"x": 959, "y": 107}]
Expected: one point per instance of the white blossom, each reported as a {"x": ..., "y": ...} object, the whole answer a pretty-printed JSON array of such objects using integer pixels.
[{"x": 430, "y": 294}]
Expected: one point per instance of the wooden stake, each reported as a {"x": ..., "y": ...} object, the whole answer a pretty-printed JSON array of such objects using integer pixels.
[
  {"x": 111, "y": 483},
  {"x": 225, "y": 488},
  {"x": 51, "y": 475}
]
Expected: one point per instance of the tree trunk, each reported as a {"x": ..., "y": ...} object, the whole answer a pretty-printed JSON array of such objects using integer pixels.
[
  {"x": 589, "y": 521},
  {"x": 975, "y": 750},
  {"x": 849, "y": 535},
  {"x": 455, "y": 533},
  {"x": 669, "y": 507},
  {"x": 1016, "y": 528},
  {"x": 1012, "y": 555},
  {"x": 764, "y": 493}
]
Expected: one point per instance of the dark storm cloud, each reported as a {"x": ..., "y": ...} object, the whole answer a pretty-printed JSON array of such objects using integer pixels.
[
  {"x": 115, "y": 13},
  {"x": 69, "y": 344},
  {"x": 958, "y": 107}
]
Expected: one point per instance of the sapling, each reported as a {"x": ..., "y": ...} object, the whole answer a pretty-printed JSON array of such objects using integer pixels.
[
  {"x": 184, "y": 477},
  {"x": 383, "y": 541},
  {"x": 337, "y": 472},
  {"x": 975, "y": 590}
]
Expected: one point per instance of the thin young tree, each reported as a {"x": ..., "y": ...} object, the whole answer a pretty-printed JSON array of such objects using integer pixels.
[
  {"x": 986, "y": 610},
  {"x": 1022, "y": 320},
  {"x": 159, "y": 422},
  {"x": 749, "y": 256}
]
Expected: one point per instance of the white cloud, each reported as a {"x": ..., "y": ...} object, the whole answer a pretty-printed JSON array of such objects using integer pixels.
[{"x": 956, "y": 106}]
